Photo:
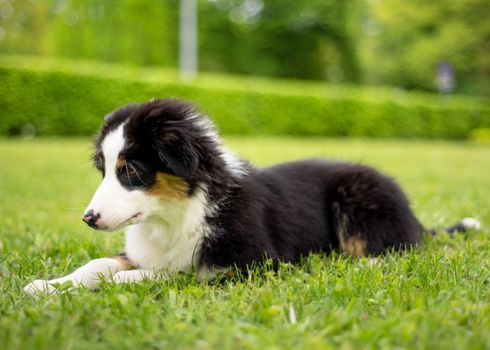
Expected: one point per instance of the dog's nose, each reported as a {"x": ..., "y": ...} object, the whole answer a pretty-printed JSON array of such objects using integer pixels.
[{"x": 91, "y": 218}]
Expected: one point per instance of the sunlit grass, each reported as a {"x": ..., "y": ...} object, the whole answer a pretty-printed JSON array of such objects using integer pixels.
[{"x": 434, "y": 297}]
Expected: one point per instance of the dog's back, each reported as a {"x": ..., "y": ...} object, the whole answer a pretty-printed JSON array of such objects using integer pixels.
[{"x": 292, "y": 209}]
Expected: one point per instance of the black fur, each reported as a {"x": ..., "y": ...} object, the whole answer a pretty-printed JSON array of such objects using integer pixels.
[
  {"x": 282, "y": 212},
  {"x": 289, "y": 210},
  {"x": 163, "y": 135}
]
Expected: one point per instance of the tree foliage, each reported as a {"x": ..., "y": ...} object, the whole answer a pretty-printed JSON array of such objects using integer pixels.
[
  {"x": 288, "y": 38},
  {"x": 408, "y": 39},
  {"x": 134, "y": 31},
  {"x": 390, "y": 42}
]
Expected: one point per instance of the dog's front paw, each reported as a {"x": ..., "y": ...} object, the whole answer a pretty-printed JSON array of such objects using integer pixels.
[
  {"x": 40, "y": 286},
  {"x": 131, "y": 276}
]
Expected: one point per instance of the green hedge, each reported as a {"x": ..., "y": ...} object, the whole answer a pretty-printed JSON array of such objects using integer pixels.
[{"x": 71, "y": 98}]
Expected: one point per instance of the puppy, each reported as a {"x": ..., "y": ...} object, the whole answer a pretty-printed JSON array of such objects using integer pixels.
[{"x": 190, "y": 205}]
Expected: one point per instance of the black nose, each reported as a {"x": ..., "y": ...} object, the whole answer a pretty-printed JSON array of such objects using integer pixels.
[{"x": 91, "y": 218}]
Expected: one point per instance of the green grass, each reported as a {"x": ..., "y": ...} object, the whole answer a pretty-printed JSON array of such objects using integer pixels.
[{"x": 434, "y": 297}]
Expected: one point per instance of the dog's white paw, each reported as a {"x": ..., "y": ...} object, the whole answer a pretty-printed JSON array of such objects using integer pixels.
[
  {"x": 40, "y": 286},
  {"x": 131, "y": 276},
  {"x": 125, "y": 277}
]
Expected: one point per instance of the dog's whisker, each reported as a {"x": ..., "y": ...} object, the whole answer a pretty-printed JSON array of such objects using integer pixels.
[
  {"x": 83, "y": 166},
  {"x": 137, "y": 173}
]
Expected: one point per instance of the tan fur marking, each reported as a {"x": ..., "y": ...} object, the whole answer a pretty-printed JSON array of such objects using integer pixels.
[
  {"x": 167, "y": 185},
  {"x": 354, "y": 246},
  {"x": 124, "y": 262},
  {"x": 350, "y": 242},
  {"x": 120, "y": 163},
  {"x": 342, "y": 227}
]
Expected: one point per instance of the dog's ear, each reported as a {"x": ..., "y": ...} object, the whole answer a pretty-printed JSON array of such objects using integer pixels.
[
  {"x": 171, "y": 134},
  {"x": 177, "y": 153}
]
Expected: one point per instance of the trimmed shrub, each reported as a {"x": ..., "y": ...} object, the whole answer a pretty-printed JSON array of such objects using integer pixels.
[
  {"x": 481, "y": 135},
  {"x": 72, "y": 101}
]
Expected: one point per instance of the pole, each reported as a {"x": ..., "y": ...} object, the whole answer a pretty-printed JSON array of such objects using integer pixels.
[{"x": 188, "y": 39}]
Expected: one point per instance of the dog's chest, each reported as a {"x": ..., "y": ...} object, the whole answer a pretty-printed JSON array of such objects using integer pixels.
[{"x": 153, "y": 247}]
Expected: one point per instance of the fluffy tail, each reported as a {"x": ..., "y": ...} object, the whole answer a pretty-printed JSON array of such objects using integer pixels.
[{"x": 464, "y": 225}]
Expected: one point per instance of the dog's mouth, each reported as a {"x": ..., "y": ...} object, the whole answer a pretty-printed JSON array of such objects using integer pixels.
[{"x": 131, "y": 220}]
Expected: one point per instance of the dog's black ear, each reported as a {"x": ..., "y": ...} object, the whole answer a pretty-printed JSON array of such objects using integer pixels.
[
  {"x": 177, "y": 153},
  {"x": 171, "y": 131}
]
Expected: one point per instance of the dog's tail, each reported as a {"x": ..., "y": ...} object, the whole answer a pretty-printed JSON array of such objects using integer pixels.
[{"x": 464, "y": 225}]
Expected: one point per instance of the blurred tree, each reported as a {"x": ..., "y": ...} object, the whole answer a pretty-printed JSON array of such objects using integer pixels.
[
  {"x": 134, "y": 31},
  {"x": 409, "y": 39},
  {"x": 311, "y": 39},
  {"x": 287, "y": 38},
  {"x": 395, "y": 42},
  {"x": 25, "y": 27}
]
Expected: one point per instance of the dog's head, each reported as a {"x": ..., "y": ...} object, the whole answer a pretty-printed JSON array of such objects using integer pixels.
[{"x": 152, "y": 156}]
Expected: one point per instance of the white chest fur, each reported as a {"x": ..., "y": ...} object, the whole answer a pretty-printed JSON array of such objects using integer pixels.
[{"x": 169, "y": 239}]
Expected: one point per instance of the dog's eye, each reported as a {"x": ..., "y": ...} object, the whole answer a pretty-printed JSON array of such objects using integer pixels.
[
  {"x": 133, "y": 175},
  {"x": 131, "y": 171},
  {"x": 127, "y": 170}
]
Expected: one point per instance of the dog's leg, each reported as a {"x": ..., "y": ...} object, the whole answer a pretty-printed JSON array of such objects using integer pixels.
[
  {"x": 88, "y": 275},
  {"x": 133, "y": 276}
]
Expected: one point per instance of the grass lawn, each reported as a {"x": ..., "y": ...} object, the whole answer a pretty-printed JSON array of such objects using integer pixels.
[{"x": 436, "y": 297}]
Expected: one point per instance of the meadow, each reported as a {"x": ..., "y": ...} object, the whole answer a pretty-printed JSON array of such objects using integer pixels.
[{"x": 436, "y": 296}]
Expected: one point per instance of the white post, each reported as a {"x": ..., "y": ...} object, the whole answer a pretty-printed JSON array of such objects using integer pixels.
[{"x": 188, "y": 39}]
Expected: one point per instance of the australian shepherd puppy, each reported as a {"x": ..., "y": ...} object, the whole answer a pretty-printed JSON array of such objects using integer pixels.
[{"x": 190, "y": 205}]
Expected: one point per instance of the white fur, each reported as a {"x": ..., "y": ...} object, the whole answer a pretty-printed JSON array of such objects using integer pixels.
[
  {"x": 170, "y": 240},
  {"x": 163, "y": 233},
  {"x": 232, "y": 162},
  {"x": 471, "y": 224},
  {"x": 88, "y": 275},
  {"x": 133, "y": 276},
  {"x": 116, "y": 206}
]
